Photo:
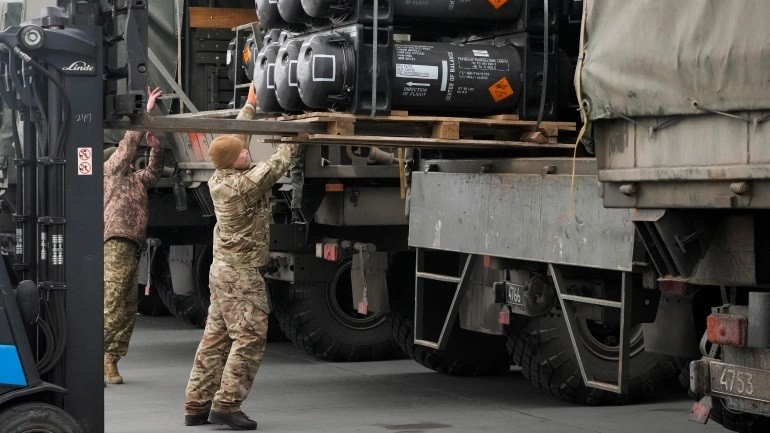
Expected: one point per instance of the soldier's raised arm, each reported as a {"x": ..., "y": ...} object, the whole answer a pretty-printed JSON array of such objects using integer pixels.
[
  {"x": 248, "y": 112},
  {"x": 260, "y": 178},
  {"x": 121, "y": 160}
]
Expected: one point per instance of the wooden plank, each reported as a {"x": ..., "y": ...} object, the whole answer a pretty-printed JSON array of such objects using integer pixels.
[
  {"x": 416, "y": 142},
  {"x": 502, "y": 121},
  {"x": 504, "y": 117},
  {"x": 402, "y": 172},
  {"x": 221, "y": 18},
  {"x": 216, "y": 126},
  {"x": 340, "y": 127},
  {"x": 446, "y": 130}
]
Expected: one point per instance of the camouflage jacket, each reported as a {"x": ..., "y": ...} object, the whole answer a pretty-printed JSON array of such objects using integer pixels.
[
  {"x": 242, "y": 206},
  {"x": 125, "y": 191}
]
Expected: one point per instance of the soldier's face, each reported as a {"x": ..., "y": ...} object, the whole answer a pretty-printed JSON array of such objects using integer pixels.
[{"x": 244, "y": 160}]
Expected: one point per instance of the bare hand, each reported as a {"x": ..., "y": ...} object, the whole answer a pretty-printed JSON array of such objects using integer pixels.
[
  {"x": 153, "y": 141},
  {"x": 152, "y": 96}
]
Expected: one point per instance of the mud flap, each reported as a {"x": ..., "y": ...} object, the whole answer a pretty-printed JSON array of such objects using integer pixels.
[{"x": 369, "y": 280}]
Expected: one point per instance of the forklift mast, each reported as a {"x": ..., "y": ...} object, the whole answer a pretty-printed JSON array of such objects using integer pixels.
[{"x": 60, "y": 75}]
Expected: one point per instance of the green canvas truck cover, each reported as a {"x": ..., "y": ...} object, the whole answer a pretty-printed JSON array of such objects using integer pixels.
[{"x": 661, "y": 57}]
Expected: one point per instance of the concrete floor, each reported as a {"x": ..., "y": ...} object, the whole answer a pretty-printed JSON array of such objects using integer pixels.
[{"x": 294, "y": 392}]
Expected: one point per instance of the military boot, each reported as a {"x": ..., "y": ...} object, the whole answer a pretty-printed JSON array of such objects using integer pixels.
[
  {"x": 197, "y": 419},
  {"x": 111, "y": 369},
  {"x": 234, "y": 420}
]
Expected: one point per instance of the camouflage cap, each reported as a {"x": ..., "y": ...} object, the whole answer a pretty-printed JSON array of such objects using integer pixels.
[
  {"x": 224, "y": 150},
  {"x": 108, "y": 152}
]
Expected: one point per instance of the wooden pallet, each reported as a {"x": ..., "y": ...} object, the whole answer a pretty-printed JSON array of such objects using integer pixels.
[{"x": 402, "y": 130}]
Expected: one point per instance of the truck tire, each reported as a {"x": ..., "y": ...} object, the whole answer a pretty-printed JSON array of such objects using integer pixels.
[
  {"x": 467, "y": 353},
  {"x": 152, "y": 305},
  {"x": 542, "y": 347},
  {"x": 37, "y": 417},
  {"x": 314, "y": 319},
  {"x": 193, "y": 309},
  {"x": 740, "y": 422}
]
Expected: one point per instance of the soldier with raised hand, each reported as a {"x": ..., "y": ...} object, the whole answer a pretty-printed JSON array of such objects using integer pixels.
[
  {"x": 233, "y": 342},
  {"x": 125, "y": 227}
]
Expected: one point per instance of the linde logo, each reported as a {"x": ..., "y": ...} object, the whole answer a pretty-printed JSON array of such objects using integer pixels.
[{"x": 79, "y": 66}]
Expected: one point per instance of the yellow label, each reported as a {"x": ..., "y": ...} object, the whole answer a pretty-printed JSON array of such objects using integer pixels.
[
  {"x": 497, "y": 4},
  {"x": 501, "y": 90}
]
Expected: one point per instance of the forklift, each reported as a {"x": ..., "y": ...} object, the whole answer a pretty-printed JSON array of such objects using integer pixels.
[{"x": 61, "y": 76}]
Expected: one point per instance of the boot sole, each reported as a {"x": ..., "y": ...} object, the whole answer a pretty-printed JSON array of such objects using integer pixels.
[
  {"x": 196, "y": 422},
  {"x": 115, "y": 381},
  {"x": 213, "y": 419}
]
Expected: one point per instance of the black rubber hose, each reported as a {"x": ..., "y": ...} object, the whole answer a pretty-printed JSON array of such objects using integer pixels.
[
  {"x": 44, "y": 363},
  {"x": 61, "y": 340},
  {"x": 57, "y": 199},
  {"x": 66, "y": 107}
]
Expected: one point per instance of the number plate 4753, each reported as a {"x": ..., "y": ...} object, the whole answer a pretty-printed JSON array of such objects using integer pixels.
[{"x": 740, "y": 381}]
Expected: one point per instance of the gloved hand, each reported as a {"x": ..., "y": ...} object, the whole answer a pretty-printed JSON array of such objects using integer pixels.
[{"x": 252, "y": 98}]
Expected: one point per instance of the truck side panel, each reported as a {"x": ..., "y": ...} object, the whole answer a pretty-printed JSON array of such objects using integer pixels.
[{"x": 521, "y": 216}]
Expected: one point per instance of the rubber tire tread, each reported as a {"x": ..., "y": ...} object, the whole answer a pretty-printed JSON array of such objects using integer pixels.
[
  {"x": 541, "y": 346},
  {"x": 194, "y": 309},
  {"x": 302, "y": 313},
  {"x": 22, "y": 417},
  {"x": 151, "y": 306},
  {"x": 191, "y": 309},
  {"x": 738, "y": 422},
  {"x": 467, "y": 353}
]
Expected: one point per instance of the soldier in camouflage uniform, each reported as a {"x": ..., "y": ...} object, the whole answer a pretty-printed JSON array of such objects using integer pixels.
[
  {"x": 233, "y": 342},
  {"x": 125, "y": 226}
]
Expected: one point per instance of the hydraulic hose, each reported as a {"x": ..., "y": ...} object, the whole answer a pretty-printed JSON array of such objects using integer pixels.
[
  {"x": 66, "y": 107},
  {"x": 52, "y": 205}
]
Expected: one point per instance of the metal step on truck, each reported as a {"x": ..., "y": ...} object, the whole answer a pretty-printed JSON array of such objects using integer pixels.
[{"x": 507, "y": 254}]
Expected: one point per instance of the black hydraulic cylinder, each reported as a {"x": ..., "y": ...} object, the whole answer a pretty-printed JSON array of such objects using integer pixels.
[
  {"x": 27, "y": 175},
  {"x": 286, "y": 85}
]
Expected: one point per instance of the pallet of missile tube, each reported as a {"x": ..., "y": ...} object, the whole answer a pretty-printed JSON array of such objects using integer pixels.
[{"x": 402, "y": 129}]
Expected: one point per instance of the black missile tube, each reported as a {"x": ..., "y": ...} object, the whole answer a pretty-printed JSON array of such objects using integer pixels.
[
  {"x": 264, "y": 79},
  {"x": 292, "y": 12},
  {"x": 268, "y": 15},
  {"x": 424, "y": 77},
  {"x": 286, "y": 85},
  {"x": 444, "y": 11}
]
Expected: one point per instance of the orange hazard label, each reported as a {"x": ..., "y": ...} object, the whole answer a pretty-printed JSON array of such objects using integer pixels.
[
  {"x": 497, "y": 4},
  {"x": 501, "y": 90}
]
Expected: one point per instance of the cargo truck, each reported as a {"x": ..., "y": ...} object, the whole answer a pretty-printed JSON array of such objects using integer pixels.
[
  {"x": 509, "y": 253},
  {"x": 679, "y": 120}
]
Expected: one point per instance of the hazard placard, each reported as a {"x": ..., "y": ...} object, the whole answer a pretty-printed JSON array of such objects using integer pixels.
[
  {"x": 85, "y": 161},
  {"x": 501, "y": 90},
  {"x": 497, "y": 4}
]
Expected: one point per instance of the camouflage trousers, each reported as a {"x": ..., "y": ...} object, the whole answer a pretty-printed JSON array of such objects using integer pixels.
[
  {"x": 233, "y": 342},
  {"x": 120, "y": 300}
]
